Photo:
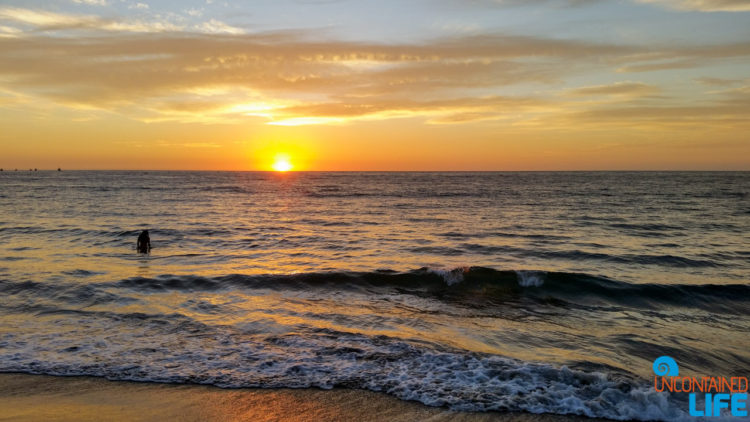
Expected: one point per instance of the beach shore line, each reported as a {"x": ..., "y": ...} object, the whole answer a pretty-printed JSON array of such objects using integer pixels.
[{"x": 25, "y": 397}]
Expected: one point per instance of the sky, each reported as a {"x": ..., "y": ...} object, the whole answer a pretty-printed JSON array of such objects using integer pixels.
[{"x": 375, "y": 85}]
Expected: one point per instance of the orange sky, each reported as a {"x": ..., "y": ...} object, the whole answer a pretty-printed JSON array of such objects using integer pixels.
[{"x": 133, "y": 85}]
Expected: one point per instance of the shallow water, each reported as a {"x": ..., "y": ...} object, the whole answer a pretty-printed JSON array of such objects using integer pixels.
[{"x": 540, "y": 292}]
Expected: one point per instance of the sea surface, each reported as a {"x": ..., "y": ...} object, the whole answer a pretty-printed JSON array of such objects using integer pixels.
[{"x": 530, "y": 292}]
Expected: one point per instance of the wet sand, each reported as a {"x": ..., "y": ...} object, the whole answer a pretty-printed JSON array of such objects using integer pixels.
[{"x": 38, "y": 397}]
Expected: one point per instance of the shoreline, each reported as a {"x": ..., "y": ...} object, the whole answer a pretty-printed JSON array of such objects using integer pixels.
[{"x": 26, "y": 397}]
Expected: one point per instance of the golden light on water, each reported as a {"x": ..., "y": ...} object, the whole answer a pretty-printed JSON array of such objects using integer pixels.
[{"x": 282, "y": 163}]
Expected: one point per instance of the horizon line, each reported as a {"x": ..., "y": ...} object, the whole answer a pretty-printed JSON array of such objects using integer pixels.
[{"x": 15, "y": 170}]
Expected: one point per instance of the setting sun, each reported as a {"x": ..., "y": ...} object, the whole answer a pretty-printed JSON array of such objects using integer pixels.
[{"x": 281, "y": 163}]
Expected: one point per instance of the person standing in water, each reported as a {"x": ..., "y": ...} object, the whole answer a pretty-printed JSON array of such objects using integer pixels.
[{"x": 144, "y": 242}]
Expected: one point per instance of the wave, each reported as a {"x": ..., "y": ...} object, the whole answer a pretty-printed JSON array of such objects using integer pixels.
[
  {"x": 329, "y": 193},
  {"x": 477, "y": 287},
  {"x": 481, "y": 286},
  {"x": 324, "y": 358},
  {"x": 164, "y": 344},
  {"x": 221, "y": 240},
  {"x": 572, "y": 255}
]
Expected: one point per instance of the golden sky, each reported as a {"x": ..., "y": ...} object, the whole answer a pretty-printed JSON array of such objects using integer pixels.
[{"x": 389, "y": 85}]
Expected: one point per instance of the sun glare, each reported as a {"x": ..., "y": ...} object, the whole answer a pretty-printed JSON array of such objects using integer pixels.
[{"x": 281, "y": 163}]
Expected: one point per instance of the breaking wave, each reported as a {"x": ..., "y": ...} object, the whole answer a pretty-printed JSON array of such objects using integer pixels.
[{"x": 482, "y": 285}]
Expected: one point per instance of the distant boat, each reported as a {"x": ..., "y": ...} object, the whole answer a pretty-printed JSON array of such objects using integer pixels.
[{"x": 58, "y": 169}]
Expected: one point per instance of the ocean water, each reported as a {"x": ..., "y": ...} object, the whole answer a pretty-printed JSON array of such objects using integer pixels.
[{"x": 534, "y": 292}]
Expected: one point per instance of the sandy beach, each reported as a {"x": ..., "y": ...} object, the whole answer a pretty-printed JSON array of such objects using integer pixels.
[{"x": 38, "y": 397}]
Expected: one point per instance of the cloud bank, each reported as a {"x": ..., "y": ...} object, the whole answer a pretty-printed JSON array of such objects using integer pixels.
[
  {"x": 153, "y": 71},
  {"x": 705, "y": 5}
]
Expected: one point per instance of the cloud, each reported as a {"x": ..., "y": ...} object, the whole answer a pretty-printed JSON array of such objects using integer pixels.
[
  {"x": 163, "y": 143},
  {"x": 704, "y": 5},
  {"x": 452, "y": 110},
  {"x": 216, "y": 73},
  {"x": 8, "y": 31},
  {"x": 697, "y": 5},
  {"x": 44, "y": 20},
  {"x": 514, "y": 3},
  {"x": 214, "y": 26},
  {"x": 723, "y": 111},
  {"x": 91, "y": 2},
  {"x": 106, "y": 71},
  {"x": 629, "y": 89},
  {"x": 721, "y": 82},
  {"x": 657, "y": 58},
  {"x": 723, "y": 114}
]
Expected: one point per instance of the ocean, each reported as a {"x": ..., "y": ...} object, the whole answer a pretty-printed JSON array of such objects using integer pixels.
[{"x": 541, "y": 292}]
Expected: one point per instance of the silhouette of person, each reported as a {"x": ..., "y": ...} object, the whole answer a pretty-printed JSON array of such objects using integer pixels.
[{"x": 144, "y": 242}]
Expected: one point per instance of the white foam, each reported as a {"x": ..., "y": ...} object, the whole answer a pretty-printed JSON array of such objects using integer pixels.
[
  {"x": 146, "y": 350},
  {"x": 531, "y": 278},
  {"x": 450, "y": 277}
]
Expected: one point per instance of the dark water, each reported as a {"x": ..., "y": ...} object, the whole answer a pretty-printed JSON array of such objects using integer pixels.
[{"x": 538, "y": 292}]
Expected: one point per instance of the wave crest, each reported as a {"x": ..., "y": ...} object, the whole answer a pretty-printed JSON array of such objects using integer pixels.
[{"x": 481, "y": 285}]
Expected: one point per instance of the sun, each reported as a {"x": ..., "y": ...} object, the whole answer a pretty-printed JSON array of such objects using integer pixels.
[{"x": 282, "y": 163}]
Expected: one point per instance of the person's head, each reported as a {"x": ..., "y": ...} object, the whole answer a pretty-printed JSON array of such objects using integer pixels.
[{"x": 145, "y": 232}]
